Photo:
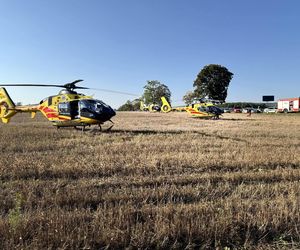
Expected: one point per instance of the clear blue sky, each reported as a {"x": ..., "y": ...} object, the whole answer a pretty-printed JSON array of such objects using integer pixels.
[{"x": 119, "y": 45}]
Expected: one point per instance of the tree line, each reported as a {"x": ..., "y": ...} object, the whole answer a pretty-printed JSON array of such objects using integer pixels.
[{"x": 212, "y": 82}]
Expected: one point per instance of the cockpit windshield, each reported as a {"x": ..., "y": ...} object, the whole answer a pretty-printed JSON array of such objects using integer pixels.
[
  {"x": 95, "y": 109},
  {"x": 92, "y": 105}
]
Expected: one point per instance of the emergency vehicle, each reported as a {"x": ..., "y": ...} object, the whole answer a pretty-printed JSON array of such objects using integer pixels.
[{"x": 288, "y": 105}]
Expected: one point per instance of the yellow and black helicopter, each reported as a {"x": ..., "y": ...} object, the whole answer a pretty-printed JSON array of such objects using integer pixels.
[{"x": 66, "y": 109}]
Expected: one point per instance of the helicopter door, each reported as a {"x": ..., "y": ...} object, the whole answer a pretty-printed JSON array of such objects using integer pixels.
[
  {"x": 74, "y": 110},
  {"x": 64, "y": 108},
  {"x": 69, "y": 109}
]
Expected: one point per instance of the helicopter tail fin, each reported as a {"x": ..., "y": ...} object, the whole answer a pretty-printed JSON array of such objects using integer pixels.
[
  {"x": 165, "y": 107},
  {"x": 7, "y": 106},
  {"x": 142, "y": 105}
]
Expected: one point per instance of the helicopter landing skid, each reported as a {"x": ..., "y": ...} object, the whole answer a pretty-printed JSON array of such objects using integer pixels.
[
  {"x": 82, "y": 128},
  {"x": 108, "y": 129},
  {"x": 94, "y": 129}
]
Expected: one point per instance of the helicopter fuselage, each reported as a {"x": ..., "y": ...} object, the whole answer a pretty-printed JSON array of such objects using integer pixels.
[{"x": 69, "y": 109}]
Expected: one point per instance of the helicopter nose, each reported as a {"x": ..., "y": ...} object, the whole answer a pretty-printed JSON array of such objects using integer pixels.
[
  {"x": 111, "y": 112},
  {"x": 106, "y": 113},
  {"x": 215, "y": 110}
]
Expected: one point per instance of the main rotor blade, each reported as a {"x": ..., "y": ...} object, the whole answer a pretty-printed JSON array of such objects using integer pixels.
[
  {"x": 74, "y": 82},
  {"x": 114, "y": 91},
  {"x": 78, "y": 87},
  {"x": 32, "y": 84},
  {"x": 70, "y": 85}
]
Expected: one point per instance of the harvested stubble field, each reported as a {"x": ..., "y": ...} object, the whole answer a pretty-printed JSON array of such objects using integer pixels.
[{"x": 155, "y": 181}]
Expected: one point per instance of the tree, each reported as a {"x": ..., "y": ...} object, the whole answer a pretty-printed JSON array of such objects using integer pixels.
[
  {"x": 154, "y": 90},
  {"x": 189, "y": 97},
  {"x": 126, "y": 107},
  {"x": 136, "y": 103},
  {"x": 212, "y": 82},
  {"x": 130, "y": 105}
]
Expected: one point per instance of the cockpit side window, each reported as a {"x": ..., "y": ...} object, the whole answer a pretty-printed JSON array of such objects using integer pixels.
[
  {"x": 88, "y": 104},
  {"x": 92, "y": 105},
  {"x": 50, "y": 101}
]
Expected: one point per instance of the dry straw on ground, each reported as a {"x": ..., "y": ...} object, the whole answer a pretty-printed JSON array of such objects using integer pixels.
[{"x": 155, "y": 181}]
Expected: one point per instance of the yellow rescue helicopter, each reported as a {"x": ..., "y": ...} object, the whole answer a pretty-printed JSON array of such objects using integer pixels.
[
  {"x": 165, "y": 107},
  {"x": 200, "y": 108},
  {"x": 66, "y": 109}
]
